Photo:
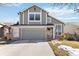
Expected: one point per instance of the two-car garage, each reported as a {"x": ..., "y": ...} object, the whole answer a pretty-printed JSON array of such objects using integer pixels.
[{"x": 31, "y": 32}]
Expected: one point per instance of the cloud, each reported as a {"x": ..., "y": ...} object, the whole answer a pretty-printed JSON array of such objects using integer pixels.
[
  {"x": 10, "y": 20},
  {"x": 59, "y": 12},
  {"x": 10, "y": 4},
  {"x": 63, "y": 14}
]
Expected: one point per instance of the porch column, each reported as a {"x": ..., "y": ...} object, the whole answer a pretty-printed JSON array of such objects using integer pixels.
[{"x": 54, "y": 32}]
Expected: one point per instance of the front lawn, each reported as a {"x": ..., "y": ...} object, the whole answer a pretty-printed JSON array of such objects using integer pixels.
[
  {"x": 59, "y": 52},
  {"x": 74, "y": 44}
]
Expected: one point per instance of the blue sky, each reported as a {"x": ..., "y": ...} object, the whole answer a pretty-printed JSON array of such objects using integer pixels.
[{"x": 64, "y": 12}]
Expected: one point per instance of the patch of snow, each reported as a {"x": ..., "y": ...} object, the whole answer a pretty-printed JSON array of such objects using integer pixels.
[
  {"x": 56, "y": 42},
  {"x": 1, "y": 26},
  {"x": 71, "y": 51},
  {"x": 2, "y": 42}
]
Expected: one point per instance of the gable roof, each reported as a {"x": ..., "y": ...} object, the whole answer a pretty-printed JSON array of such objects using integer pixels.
[
  {"x": 56, "y": 19},
  {"x": 43, "y": 10},
  {"x": 33, "y": 6}
]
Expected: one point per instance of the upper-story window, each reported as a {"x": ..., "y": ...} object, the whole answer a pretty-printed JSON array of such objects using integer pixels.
[
  {"x": 49, "y": 20},
  {"x": 31, "y": 16},
  {"x": 34, "y": 16},
  {"x": 37, "y": 16}
]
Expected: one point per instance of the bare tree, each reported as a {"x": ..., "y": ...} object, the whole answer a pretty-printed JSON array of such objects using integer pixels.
[{"x": 73, "y": 6}]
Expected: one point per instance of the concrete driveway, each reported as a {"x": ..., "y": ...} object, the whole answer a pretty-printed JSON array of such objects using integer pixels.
[{"x": 26, "y": 48}]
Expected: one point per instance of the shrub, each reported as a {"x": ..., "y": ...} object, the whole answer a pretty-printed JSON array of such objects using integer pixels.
[
  {"x": 72, "y": 37},
  {"x": 62, "y": 37},
  {"x": 76, "y": 37}
]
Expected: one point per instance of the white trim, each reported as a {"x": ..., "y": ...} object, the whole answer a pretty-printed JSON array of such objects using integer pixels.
[
  {"x": 41, "y": 17},
  {"x": 33, "y": 26},
  {"x": 54, "y": 32},
  {"x": 34, "y": 17},
  {"x": 58, "y": 30},
  {"x": 28, "y": 16},
  {"x": 23, "y": 17},
  {"x": 34, "y": 12},
  {"x": 19, "y": 18},
  {"x": 46, "y": 33},
  {"x": 49, "y": 21},
  {"x": 46, "y": 18},
  {"x": 61, "y": 28},
  {"x": 20, "y": 34},
  {"x": 34, "y": 20}
]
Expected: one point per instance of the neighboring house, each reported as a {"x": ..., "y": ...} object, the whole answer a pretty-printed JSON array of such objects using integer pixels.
[
  {"x": 4, "y": 29},
  {"x": 71, "y": 28},
  {"x": 7, "y": 23},
  {"x": 1, "y": 30},
  {"x": 35, "y": 23}
]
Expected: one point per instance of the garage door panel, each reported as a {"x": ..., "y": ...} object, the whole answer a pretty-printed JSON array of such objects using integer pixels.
[{"x": 33, "y": 33}]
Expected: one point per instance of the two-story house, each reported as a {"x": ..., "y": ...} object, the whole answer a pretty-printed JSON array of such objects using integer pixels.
[{"x": 36, "y": 24}]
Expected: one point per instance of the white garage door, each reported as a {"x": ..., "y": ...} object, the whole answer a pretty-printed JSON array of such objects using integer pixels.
[{"x": 33, "y": 33}]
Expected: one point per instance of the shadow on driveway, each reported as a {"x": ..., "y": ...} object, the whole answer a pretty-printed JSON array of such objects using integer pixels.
[{"x": 27, "y": 41}]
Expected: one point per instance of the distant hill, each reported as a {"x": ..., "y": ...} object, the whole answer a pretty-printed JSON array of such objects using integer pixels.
[
  {"x": 73, "y": 23},
  {"x": 71, "y": 27},
  {"x": 7, "y": 23}
]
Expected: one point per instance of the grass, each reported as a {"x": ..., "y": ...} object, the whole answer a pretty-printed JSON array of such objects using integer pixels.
[
  {"x": 74, "y": 44},
  {"x": 58, "y": 52}
]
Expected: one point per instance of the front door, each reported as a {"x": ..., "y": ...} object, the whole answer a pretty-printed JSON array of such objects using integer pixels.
[{"x": 49, "y": 33}]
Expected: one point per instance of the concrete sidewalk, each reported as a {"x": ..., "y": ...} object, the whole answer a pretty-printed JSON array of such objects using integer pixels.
[{"x": 26, "y": 49}]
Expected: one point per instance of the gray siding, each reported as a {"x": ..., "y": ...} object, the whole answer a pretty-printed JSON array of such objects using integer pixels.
[
  {"x": 53, "y": 21},
  {"x": 36, "y": 9},
  {"x": 34, "y": 23},
  {"x": 44, "y": 17},
  {"x": 48, "y": 20},
  {"x": 21, "y": 18},
  {"x": 56, "y": 22},
  {"x": 15, "y": 32},
  {"x": 26, "y": 17}
]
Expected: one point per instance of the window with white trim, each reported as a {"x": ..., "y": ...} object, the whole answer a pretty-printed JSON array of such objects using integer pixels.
[
  {"x": 31, "y": 16},
  {"x": 58, "y": 29},
  {"x": 34, "y": 16},
  {"x": 49, "y": 20}
]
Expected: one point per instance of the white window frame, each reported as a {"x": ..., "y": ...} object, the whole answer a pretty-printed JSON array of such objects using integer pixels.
[
  {"x": 57, "y": 29},
  {"x": 34, "y": 17},
  {"x": 49, "y": 21},
  {"x": 46, "y": 18},
  {"x": 23, "y": 17},
  {"x": 41, "y": 17}
]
